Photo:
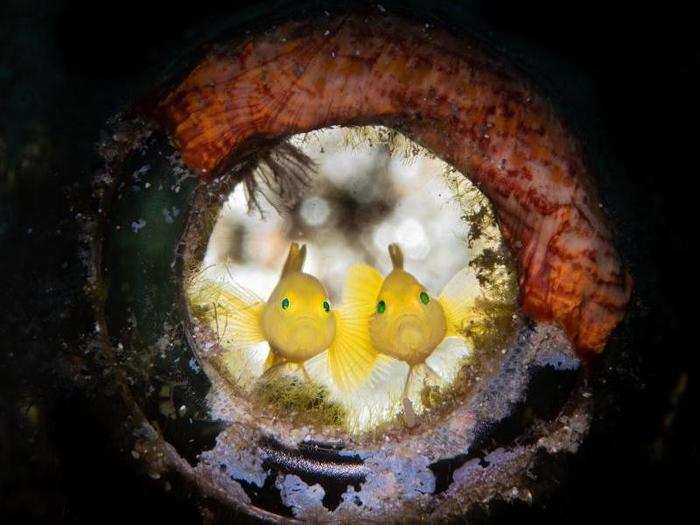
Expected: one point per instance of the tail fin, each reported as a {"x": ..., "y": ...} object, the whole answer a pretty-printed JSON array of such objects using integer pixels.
[
  {"x": 295, "y": 259},
  {"x": 396, "y": 256}
]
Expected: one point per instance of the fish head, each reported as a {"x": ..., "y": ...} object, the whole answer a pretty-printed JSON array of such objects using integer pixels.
[
  {"x": 407, "y": 323},
  {"x": 297, "y": 319}
]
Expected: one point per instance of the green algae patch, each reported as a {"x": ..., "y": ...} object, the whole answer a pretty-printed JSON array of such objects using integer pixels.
[
  {"x": 495, "y": 312},
  {"x": 304, "y": 401}
]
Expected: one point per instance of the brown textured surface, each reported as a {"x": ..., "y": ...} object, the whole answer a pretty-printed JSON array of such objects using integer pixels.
[{"x": 449, "y": 97}]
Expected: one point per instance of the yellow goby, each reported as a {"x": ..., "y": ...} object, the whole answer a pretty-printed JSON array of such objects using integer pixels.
[
  {"x": 297, "y": 321},
  {"x": 404, "y": 322}
]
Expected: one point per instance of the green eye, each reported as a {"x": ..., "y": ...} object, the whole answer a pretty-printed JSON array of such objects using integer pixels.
[
  {"x": 285, "y": 303},
  {"x": 326, "y": 306},
  {"x": 424, "y": 298},
  {"x": 381, "y": 307}
]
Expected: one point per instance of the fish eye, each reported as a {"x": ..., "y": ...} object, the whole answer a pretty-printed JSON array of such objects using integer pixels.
[
  {"x": 285, "y": 303},
  {"x": 381, "y": 307},
  {"x": 327, "y": 305},
  {"x": 424, "y": 298}
]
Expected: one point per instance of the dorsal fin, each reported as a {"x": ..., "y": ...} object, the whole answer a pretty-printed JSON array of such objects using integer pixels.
[
  {"x": 295, "y": 259},
  {"x": 396, "y": 256}
]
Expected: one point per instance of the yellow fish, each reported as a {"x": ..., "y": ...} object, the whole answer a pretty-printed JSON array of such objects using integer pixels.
[
  {"x": 406, "y": 323},
  {"x": 294, "y": 325},
  {"x": 296, "y": 319}
]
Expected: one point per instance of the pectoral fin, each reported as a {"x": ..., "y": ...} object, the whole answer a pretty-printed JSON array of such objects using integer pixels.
[
  {"x": 362, "y": 286},
  {"x": 233, "y": 312},
  {"x": 449, "y": 357},
  {"x": 351, "y": 357},
  {"x": 457, "y": 300},
  {"x": 273, "y": 361}
]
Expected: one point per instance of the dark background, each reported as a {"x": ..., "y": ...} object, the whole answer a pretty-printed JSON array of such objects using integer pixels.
[{"x": 627, "y": 78}]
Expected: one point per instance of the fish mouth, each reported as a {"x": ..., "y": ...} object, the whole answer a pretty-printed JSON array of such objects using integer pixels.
[
  {"x": 305, "y": 332},
  {"x": 304, "y": 322},
  {"x": 410, "y": 332}
]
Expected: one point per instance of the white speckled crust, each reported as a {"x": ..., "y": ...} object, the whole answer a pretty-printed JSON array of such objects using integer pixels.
[
  {"x": 305, "y": 501},
  {"x": 398, "y": 468}
]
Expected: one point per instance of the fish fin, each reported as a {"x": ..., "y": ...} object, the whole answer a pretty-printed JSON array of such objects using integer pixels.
[
  {"x": 396, "y": 256},
  {"x": 351, "y": 357},
  {"x": 362, "y": 286},
  {"x": 273, "y": 360},
  {"x": 385, "y": 367},
  {"x": 295, "y": 259},
  {"x": 219, "y": 276},
  {"x": 244, "y": 365},
  {"x": 420, "y": 377},
  {"x": 448, "y": 358},
  {"x": 276, "y": 364},
  {"x": 376, "y": 399},
  {"x": 230, "y": 309},
  {"x": 282, "y": 369},
  {"x": 457, "y": 300},
  {"x": 413, "y": 388}
]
